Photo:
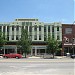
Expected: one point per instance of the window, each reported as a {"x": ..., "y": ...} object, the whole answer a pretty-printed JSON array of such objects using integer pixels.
[
  {"x": 30, "y": 28},
  {"x": 39, "y": 37},
  {"x": 23, "y": 23},
  {"x": 39, "y": 28},
  {"x": 58, "y": 38},
  {"x": 12, "y": 37},
  {"x": 45, "y": 28},
  {"x": 17, "y": 28},
  {"x": 35, "y": 28},
  {"x": 7, "y": 28},
  {"x": 12, "y": 28},
  {"x": 68, "y": 30},
  {"x": 52, "y": 29},
  {"x": 27, "y": 23},
  {"x": 30, "y": 23},
  {"x": 57, "y": 28},
  {"x": 0, "y": 27},
  {"x": 48, "y": 28},
  {"x": 35, "y": 37},
  {"x": 3, "y": 28},
  {"x": 17, "y": 37}
]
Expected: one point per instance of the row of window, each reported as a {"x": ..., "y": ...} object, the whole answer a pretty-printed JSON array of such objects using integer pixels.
[{"x": 30, "y": 28}]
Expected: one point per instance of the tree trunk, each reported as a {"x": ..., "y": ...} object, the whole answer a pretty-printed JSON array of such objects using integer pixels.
[
  {"x": 25, "y": 55},
  {"x": 53, "y": 55}
]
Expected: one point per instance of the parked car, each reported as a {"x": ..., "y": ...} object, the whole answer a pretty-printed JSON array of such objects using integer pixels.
[
  {"x": 12, "y": 55},
  {"x": 73, "y": 56}
]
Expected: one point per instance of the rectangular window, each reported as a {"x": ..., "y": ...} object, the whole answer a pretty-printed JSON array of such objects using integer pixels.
[
  {"x": 57, "y": 28},
  {"x": 45, "y": 37},
  {"x": 58, "y": 38},
  {"x": 45, "y": 28},
  {"x": 68, "y": 30},
  {"x": 52, "y": 29},
  {"x": 39, "y": 37},
  {"x": 0, "y": 27},
  {"x": 39, "y": 28},
  {"x": 12, "y": 28},
  {"x": 35, "y": 37},
  {"x": 3, "y": 28},
  {"x": 27, "y": 23},
  {"x": 48, "y": 28},
  {"x": 12, "y": 37},
  {"x": 7, "y": 28},
  {"x": 23, "y": 23},
  {"x": 30, "y": 28},
  {"x": 35, "y": 28},
  {"x": 17, "y": 28},
  {"x": 17, "y": 38},
  {"x": 30, "y": 23}
]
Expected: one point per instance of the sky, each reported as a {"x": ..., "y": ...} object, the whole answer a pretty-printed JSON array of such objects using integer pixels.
[{"x": 45, "y": 10}]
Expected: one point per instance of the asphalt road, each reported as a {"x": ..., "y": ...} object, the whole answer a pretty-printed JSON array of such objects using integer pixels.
[{"x": 39, "y": 67}]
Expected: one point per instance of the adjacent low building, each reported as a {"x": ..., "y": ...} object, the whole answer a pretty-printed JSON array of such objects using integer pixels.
[
  {"x": 68, "y": 38},
  {"x": 38, "y": 31}
]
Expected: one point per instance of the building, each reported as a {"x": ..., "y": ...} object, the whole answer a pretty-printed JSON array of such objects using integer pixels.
[
  {"x": 68, "y": 38},
  {"x": 38, "y": 31}
]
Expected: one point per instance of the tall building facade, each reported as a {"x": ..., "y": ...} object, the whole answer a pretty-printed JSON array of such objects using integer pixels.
[{"x": 37, "y": 31}]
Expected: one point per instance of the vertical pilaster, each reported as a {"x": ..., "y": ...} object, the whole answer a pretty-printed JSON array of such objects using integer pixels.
[
  {"x": 10, "y": 33},
  {"x": 51, "y": 31},
  {"x": 19, "y": 32},
  {"x": 55, "y": 32},
  {"x": 42, "y": 33},
  {"x": 14, "y": 32},
  {"x": 37, "y": 33},
  {"x": 47, "y": 31},
  {"x": 32, "y": 33},
  {"x": 5, "y": 31}
]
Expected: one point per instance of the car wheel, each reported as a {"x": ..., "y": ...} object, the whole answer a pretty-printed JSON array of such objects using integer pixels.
[{"x": 17, "y": 57}]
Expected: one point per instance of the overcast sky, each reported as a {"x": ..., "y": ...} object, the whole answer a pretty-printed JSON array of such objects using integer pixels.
[{"x": 44, "y": 10}]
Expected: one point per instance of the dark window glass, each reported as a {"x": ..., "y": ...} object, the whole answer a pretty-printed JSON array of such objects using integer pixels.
[
  {"x": 30, "y": 28},
  {"x": 17, "y": 37},
  {"x": 39, "y": 28},
  {"x": 30, "y": 23},
  {"x": 0, "y": 27},
  {"x": 44, "y": 28},
  {"x": 39, "y": 37},
  {"x": 48, "y": 28},
  {"x": 17, "y": 28},
  {"x": 35, "y": 37},
  {"x": 57, "y": 28},
  {"x": 7, "y": 28},
  {"x": 52, "y": 29},
  {"x": 12, "y": 37},
  {"x": 35, "y": 28},
  {"x": 12, "y": 28},
  {"x": 27, "y": 23},
  {"x": 3, "y": 28},
  {"x": 23, "y": 23}
]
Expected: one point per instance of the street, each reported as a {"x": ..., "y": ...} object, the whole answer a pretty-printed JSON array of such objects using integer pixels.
[{"x": 37, "y": 66}]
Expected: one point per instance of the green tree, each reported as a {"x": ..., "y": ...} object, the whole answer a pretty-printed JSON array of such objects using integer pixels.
[
  {"x": 52, "y": 45},
  {"x": 25, "y": 43}
]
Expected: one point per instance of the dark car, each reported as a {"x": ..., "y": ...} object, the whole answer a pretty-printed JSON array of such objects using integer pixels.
[
  {"x": 73, "y": 56},
  {"x": 12, "y": 55}
]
